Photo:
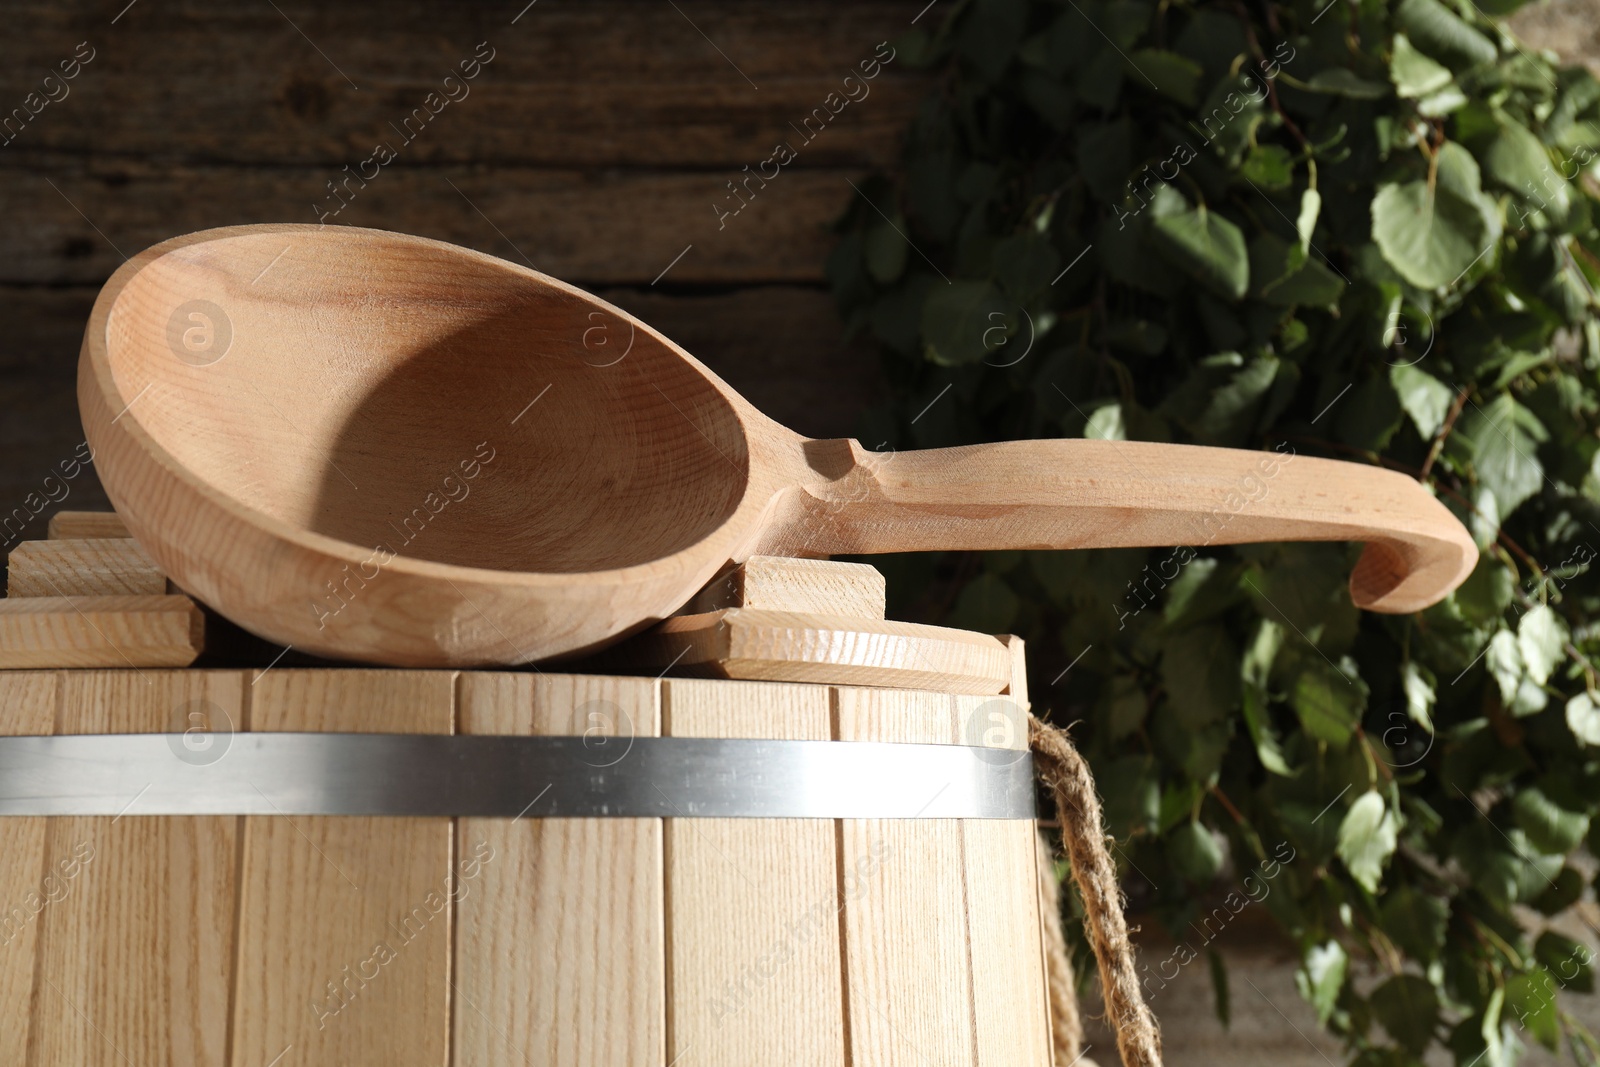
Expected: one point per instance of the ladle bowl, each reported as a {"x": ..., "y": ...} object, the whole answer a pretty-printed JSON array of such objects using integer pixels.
[{"x": 385, "y": 448}]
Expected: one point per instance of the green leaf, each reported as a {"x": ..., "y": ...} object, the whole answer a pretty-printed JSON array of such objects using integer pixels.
[
  {"x": 1126, "y": 707},
  {"x": 1419, "y": 686},
  {"x": 1321, "y": 977},
  {"x": 1531, "y": 999},
  {"x": 1567, "y": 960},
  {"x": 1415, "y": 921},
  {"x": 1370, "y": 415},
  {"x": 1255, "y": 669},
  {"x": 1306, "y": 221},
  {"x": 1504, "y": 660},
  {"x": 1443, "y": 34},
  {"x": 1503, "y": 439},
  {"x": 1541, "y": 638},
  {"x": 1486, "y": 593},
  {"x": 958, "y": 319},
  {"x": 1227, "y": 393},
  {"x": 1583, "y": 719},
  {"x": 1285, "y": 277},
  {"x": 1413, "y": 73},
  {"x": 1174, "y": 76},
  {"x": 1106, "y": 424},
  {"x": 1431, "y": 237},
  {"x": 1341, "y": 81},
  {"x": 1131, "y": 790},
  {"x": 1550, "y": 828},
  {"x": 1193, "y": 853},
  {"x": 1219, "y": 986},
  {"x": 1422, "y": 396},
  {"x": 1328, "y": 701},
  {"x": 1200, "y": 670},
  {"x": 1268, "y": 166},
  {"x": 1367, "y": 838},
  {"x": 1408, "y": 1008},
  {"x": 1565, "y": 890},
  {"x": 1516, "y": 159},
  {"x": 1206, "y": 246}
]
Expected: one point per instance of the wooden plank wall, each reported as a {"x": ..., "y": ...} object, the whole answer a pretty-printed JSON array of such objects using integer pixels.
[{"x": 593, "y": 145}]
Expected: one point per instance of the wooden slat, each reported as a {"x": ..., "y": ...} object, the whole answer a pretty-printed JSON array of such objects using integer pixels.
[
  {"x": 135, "y": 962},
  {"x": 908, "y": 981},
  {"x": 1010, "y": 999},
  {"x": 99, "y": 566},
  {"x": 600, "y": 84},
  {"x": 559, "y": 949},
  {"x": 85, "y": 524},
  {"x": 752, "y": 906},
  {"x": 752, "y": 644},
  {"x": 615, "y": 228},
  {"x": 817, "y": 586},
  {"x": 100, "y": 631},
  {"x": 344, "y": 923},
  {"x": 31, "y": 877}
]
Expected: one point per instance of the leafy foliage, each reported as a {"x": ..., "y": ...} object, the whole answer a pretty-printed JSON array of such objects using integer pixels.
[{"x": 1357, "y": 229}]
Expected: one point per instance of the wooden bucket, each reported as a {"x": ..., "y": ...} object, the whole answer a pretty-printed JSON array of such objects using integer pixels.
[{"x": 700, "y": 942}]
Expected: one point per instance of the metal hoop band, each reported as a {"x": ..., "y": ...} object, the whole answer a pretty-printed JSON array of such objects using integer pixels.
[{"x": 510, "y": 777}]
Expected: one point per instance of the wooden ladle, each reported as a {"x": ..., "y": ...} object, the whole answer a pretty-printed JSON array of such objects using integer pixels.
[{"x": 385, "y": 448}]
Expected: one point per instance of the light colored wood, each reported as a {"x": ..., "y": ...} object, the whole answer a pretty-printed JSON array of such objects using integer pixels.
[
  {"x": 559, "y": 950},
  {"x": 344, "y": 922},
  {"x": 65, "y": 525},
  {"x": 136, "y": 961},
  {"x": 32, "y": 878},
  {"x": 815, "y": 586},
  {"x": 100, "y": 631},
  {"x": 99, "y": 566},
  {"x": 752, "y": 904},
  {"x": 908, "y": 980},
  {"x": 1010, "y": 998},
  {"x": 780, "y": 646},
  {"x": 546, "y": 497},
  {"x": 1018, "y": 688}
]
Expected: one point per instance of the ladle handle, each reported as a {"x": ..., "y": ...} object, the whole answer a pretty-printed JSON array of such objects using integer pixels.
[{"x": 1116, "y": 494}]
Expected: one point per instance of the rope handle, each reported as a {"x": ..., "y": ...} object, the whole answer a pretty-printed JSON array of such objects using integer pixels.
[{"x": 1065, "y": 773}]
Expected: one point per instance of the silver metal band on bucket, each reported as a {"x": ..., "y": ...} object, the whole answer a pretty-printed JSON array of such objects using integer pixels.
[{"x": 510, "y": 777}]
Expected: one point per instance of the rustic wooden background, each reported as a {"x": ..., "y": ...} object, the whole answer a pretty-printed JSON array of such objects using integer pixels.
[{"x": 593, "y": 146}]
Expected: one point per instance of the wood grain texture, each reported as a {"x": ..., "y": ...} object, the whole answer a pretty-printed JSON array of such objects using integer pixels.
[
  {"x": 100, "y": 631},
  {"x": 908, "y": 982},
  {"x": 344, "y": 922},
  {"x": 31, "y": 878},
  {"x": 109, "y": 566},
  {"x": 1010, "y": 1001},
  {"x": 752, "y": 906},
  {"x": 783, "y": 646},
  {"x": 560, "y": 947},
  {"x": 611, "y": 83},
  {"x": 639, "y": 480},
  {"x": 815, "y": 586},
  {"x": 611, "y": 227},
  {"x": 1018, "y": 689},
  {"x": 86, "y": 524},
  {"x": 136, "y": 959}
]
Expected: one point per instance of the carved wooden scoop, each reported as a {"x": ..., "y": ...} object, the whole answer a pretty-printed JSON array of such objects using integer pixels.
[{"x": 385, "y": 448}]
